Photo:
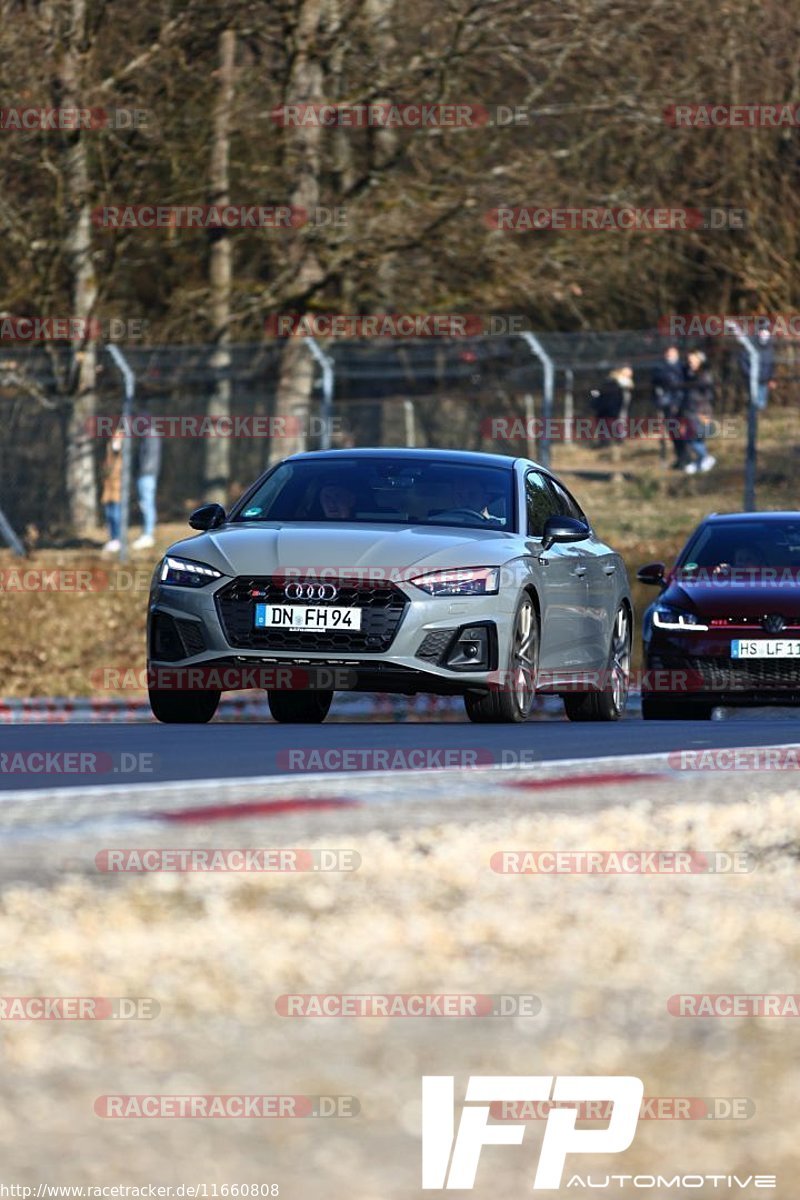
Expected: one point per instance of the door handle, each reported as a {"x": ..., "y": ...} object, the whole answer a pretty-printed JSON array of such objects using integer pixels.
[
  {"x": 609, "y": 569},
  {"x": 580, "y": 572}
]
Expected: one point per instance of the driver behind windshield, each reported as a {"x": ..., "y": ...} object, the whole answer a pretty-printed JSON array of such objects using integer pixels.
[
  {"x": 471, "y": 494},
  {"x": 338, "y": 503}
]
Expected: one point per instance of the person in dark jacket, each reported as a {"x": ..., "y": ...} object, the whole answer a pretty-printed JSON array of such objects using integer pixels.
[
  {"x": 667, "y": 393},
  {"x": 696, "y": 412},
  {"x": 611, "y": 403},
  {"x": 766, "y": 367},
  {"x": 148, "y": 466}
]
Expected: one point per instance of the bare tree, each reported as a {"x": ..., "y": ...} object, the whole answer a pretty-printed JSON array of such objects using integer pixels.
[
  {"x": 71, "y": 30},
  {"x": 218, "y": 449},
  {"x": 305, "y": 85}
]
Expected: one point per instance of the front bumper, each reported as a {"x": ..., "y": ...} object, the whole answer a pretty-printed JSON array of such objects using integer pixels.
[
  {"x": 418, "y": 635},
  {"x": 698, "y": 667}
]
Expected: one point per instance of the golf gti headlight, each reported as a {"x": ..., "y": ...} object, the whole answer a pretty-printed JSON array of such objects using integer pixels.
[
  {"x": 183, "y": 572},
  {"x": 667, "y": 617},
  {"x": 472, "y": 581}
]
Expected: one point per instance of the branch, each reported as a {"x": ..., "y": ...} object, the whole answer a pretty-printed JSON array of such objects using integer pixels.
[{"x": 141, "y": 59}]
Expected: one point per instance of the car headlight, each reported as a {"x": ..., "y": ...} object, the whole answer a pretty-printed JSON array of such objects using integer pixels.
[
  {"x": 471, "y": 581},
  {"x": 667, "y": 617},
  {"x": 183, "y": 572}
]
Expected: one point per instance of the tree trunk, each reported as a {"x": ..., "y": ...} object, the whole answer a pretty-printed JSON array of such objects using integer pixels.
[
  {"x": 80, "y": 458},
  {"x": 297, "y": 372},
  {"x": 380, "y": 14},
  {"x": 218, "y": 449},
  {"x": 382, "y": 44}
]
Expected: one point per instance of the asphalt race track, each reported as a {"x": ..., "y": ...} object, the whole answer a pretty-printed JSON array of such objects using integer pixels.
[{"x": 136, "y": 754}]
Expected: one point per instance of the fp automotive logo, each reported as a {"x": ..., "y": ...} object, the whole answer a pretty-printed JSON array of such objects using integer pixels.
[{"x": 441, "y": 1150}]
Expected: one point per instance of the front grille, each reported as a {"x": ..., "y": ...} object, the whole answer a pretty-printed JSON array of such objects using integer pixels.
[
  {"x": 737, "y": 674},
  {"x": 382, "y": 604},
  {"x": 790, "y": 623},
  {"x": 433, "y": 646}
]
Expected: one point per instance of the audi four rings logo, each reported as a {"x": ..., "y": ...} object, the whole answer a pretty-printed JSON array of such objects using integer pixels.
[{"x": 310, "y": 591}]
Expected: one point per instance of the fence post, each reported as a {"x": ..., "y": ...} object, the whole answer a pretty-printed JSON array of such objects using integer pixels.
[
  {"x": 569, "y": 403},
  {"x": 536, "y": 348},
  {"x": 410, "y": 431},
  {"x": 754, "y": 360},
  {"x": 326, "y": 408},
  {"x": 129, "y": 384},
  {"x": 530, "y": 424}
]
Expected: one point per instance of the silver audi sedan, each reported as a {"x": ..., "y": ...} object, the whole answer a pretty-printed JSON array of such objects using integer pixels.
[{"x": 404, "y": 571}]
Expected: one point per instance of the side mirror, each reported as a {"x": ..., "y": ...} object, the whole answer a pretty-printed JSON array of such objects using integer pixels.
[
  {"x": 207, "y": 516},
  {"x": 652, "y": 574},
  {"x": 563, "y": 529}
]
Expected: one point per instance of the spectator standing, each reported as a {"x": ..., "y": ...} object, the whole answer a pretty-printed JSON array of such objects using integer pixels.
[
  {"x": 667, "y": 394},
  {"x": 766, "y": 367},
  {"x": 611, "y": 405},
  {"x": 148, "y": 466},
  {"x": 696, "y": 412},
  {"x": 625, "y": 381},
  {"x": 111, "y": 494}
]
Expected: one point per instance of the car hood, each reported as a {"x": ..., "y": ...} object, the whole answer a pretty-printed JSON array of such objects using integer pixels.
[
  {"x": 723, "y": 598},
  {"x": 261, "y": 549}
]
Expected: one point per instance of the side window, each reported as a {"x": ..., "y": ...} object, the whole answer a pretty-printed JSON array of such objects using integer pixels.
[
  {"x": 540, "y": 503},
  {"x": 567, "y": 505}
]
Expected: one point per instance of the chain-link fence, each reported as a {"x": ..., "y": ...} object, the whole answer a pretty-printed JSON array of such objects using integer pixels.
[{"x": 473, "y": 393}]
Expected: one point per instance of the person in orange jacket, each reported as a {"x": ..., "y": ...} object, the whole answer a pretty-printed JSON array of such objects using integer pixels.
[{"x": 111, "y": 495}]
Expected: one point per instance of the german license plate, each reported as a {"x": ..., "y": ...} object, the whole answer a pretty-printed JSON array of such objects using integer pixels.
[
  {"x": 307, "y": 616},
  {"x": 766, "y": 648}
]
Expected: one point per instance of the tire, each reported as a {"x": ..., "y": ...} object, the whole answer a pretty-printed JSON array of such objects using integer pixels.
[
  {"x": 504, "y": 705},
  {"x": 183, "y": 708},
  {"x": 665, "y": 708},
  {"x": 299, "y": 708},
  {"x": 609, "y": 704}
]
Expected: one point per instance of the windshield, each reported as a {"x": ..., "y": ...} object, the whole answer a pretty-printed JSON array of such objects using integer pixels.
[
  {"x": 747, "y": 545},
  {"x": 385, "y": 491}
]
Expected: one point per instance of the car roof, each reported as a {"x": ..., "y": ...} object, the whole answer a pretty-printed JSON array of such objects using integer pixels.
[
  {"x": 474, "y": 458},
  {"x": 727, "y": 518}
]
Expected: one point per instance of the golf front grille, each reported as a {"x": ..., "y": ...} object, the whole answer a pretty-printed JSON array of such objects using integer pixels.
[
  {"x": 714, "y": 674},
  {"x": 382, "y": 605}
]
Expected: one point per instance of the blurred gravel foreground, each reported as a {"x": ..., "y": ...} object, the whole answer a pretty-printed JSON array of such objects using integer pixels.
[{"x": 424, "y": 912}]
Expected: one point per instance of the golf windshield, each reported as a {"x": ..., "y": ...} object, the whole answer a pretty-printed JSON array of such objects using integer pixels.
[
  {"x": 385, "y": 491},
  {"x": 742, "y": 545}
]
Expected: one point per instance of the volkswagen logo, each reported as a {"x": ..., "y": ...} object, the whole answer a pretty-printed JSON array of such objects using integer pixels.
[
  {"x": 310, "y": 591},
  {"x": 773, "y": 622}
]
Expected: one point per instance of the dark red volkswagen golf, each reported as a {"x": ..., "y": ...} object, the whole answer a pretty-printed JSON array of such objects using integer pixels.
[{"x": 725, "y": 629}]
